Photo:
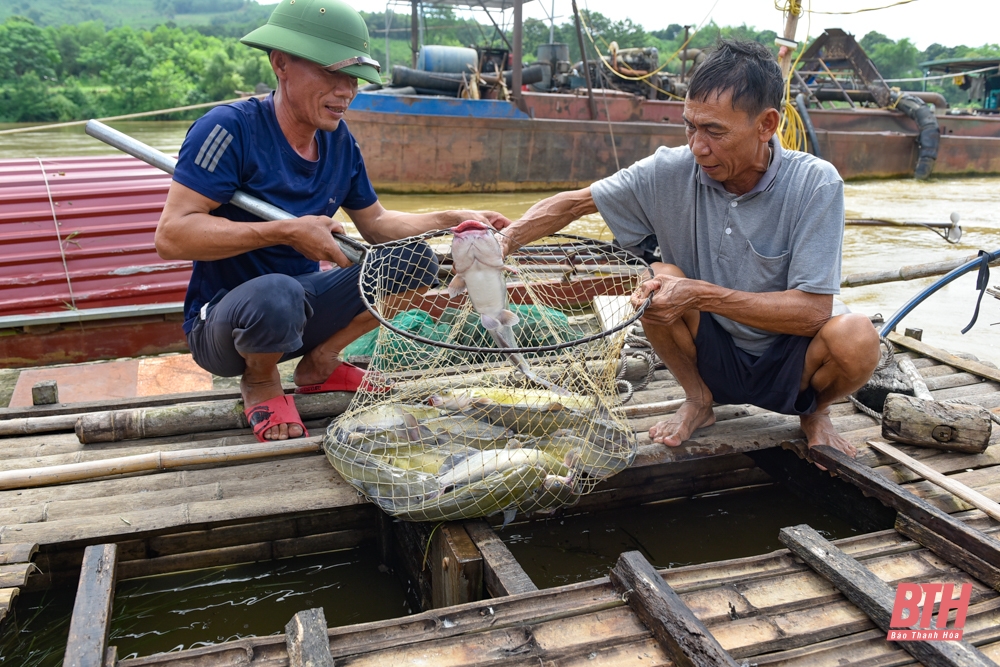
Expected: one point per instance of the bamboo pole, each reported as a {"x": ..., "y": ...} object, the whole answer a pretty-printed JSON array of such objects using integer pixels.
[
  {"x": 73, "y": 472},
  {"x": 647, "y": 409},
  {"x": 969, "y": 495},
  {"x": 909, "y": 272},
  {"x": 33, "y": 425}
]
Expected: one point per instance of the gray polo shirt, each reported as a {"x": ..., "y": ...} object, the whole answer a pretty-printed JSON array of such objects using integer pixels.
[{"x": 784, "y": 234}]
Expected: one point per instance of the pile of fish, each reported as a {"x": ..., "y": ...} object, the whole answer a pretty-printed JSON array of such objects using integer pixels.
[{"x": 475, "y": 452}]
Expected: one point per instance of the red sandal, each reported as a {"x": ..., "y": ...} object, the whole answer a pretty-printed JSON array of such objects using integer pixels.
[
  {"x": 346, "y": 377},
  {"x": 278, "y": 410}
]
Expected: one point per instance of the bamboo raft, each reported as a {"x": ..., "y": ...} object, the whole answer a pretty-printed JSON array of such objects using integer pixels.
[{"x": 185, "y": 508}]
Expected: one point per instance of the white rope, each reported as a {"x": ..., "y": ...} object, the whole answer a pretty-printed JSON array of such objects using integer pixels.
[
  {"x": 611, "y": 129},
  {"x": 55, "y": 221}
]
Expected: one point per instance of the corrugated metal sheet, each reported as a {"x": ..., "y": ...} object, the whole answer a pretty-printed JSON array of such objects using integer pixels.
[{"x": 106, "y": 209}]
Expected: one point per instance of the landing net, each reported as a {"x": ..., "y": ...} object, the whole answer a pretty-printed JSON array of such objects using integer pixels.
[{"x": 459, "y": 421}]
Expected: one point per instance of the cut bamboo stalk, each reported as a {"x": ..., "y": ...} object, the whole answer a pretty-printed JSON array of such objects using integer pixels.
[
  {"x": 647, "y": 409},
  {"x": 32, "y": 425},
  {"x": 71, "y": 472},
  {"x": 909, "y": 272},
  {"x": 971, "y": 496},
  {"x": 117, "y": 425}
]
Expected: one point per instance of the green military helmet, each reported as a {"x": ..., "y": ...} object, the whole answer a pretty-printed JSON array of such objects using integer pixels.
[{"x": 328, "y": 32}]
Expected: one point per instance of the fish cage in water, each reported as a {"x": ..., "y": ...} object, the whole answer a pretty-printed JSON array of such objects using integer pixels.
[{"x": 485, "y": 394}]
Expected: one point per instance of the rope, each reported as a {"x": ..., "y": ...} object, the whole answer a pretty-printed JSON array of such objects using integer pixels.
[
  {"x": 867, "y": 9},
  {"x": 611, "y": 129},
  {"x": 55, "y": 220},
  {"x": 791, "y": 129},
  {"x": 943, "y": 76}
]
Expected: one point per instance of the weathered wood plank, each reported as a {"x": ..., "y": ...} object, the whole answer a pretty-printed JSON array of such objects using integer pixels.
[
  {"x": 7, "y": 597},
  {"x": 951, "y": 552},
  {"x": 305, "y": 640},
  {"x": 895, "y": 496},
  {"x": 502, "y": 574},
  {"x": 91, "y": 620},
  {"x": 684, "y": 638},
  {"x": 982, "y": 370},
  {"x": 872, "y": 596},
  {"x": 456, "y": 567}
]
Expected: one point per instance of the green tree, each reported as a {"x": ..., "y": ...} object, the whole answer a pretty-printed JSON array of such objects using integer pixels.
[{"x": 24, "y": 48}]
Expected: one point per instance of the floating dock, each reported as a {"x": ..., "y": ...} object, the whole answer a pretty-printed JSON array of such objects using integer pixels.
[{"x": 166, "y": 501}]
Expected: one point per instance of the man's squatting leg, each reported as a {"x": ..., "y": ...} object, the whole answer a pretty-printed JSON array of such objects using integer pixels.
[
  {"x": 839, "y": 360},
  {"x": 674, "y": 343}
]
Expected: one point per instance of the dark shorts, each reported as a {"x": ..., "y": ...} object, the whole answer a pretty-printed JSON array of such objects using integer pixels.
[
  {"x": 291, "y": 314},
  {"x": 770, "y": 381}
]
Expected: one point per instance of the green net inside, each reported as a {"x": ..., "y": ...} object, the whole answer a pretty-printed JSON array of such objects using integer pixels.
[{"x": 458, "y": 420}]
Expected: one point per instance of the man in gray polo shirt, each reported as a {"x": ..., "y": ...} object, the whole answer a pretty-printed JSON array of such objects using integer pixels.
[{"x": 750, "y": 237}]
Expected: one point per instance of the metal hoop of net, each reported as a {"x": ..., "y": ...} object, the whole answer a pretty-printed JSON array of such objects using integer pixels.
[{"x": 456, "y": 420}]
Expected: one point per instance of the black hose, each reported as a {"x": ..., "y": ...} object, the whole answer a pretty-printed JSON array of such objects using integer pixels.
[
  {"x": 930, "y": 134},
  {"x": 800, "y": 102}
]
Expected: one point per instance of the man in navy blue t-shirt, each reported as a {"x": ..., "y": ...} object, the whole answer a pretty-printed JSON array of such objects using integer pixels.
[{"x": 257, "y": 296}]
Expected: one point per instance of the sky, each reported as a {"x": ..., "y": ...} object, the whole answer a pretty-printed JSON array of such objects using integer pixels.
[{"x": 924, "y": 22}]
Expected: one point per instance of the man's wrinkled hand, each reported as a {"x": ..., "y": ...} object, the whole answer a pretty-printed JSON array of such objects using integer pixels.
[
  {"x": 312, "y": 235},
  {"x": 495, "y": 220},
  {"x": 671, "y": 298}
]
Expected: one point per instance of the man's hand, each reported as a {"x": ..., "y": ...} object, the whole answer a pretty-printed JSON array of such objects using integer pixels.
[
  {"x": 671, "y": 298},
  {"x": 495, "y": 220},
  {"x": 312, "y": 235}
]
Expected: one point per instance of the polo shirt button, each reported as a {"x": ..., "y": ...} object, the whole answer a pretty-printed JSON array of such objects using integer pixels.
[
  {"x": 728, "y": 230},
  {"x": 733, "y": 204}
]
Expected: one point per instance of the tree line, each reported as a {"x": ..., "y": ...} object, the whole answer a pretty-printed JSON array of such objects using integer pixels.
[{"x": 85, "y": 70}]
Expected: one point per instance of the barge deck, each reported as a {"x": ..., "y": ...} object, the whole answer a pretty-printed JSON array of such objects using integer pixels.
[{"x": 769, "y": 609}]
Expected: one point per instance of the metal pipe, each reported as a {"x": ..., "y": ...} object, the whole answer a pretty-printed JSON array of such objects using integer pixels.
[
  {"x": 352, "y": 249},
  {"x": 515, "y": 82},
  {"x": 800, "y": 102},
  {"x": 586, "y": 67}
]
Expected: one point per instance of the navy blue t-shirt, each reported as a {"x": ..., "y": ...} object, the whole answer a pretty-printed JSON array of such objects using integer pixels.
[{"x": 240, "y": 146}]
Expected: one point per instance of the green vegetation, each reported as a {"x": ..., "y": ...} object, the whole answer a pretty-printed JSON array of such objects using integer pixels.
[{"x": 73, "y": 59}]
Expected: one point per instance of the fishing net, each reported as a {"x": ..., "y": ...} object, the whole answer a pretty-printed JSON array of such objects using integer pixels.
[{"x": 456, "y": 420}]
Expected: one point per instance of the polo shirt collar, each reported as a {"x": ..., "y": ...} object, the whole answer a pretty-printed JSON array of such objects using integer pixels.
[{"x": 765, "y": 182}]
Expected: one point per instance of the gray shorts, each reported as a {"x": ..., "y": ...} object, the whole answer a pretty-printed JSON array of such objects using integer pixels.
[{"x": 291, "y": 314}]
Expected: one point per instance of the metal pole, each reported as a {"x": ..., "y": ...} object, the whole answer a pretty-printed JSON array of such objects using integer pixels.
[
  {"x": 353, "y": 250},
  {"x": 586, "y": 67},
  {"x": 515, "y": 76},
  {"x": 387, "y": 66},
  {"x": 414, "y": 26},
  {"x": 684, "y": 55},
  {"x": 552, "y": 24}
]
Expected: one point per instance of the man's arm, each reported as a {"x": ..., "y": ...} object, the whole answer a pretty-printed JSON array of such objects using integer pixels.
[
  {"x": 187, "y": 231},
  {"x": 789, "y": 312},
  {"x": 378, "y": 225},
  {"x": 547, "y": 217}
]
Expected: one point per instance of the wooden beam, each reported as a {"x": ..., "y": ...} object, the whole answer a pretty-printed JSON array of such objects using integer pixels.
[
  {"x": 929, "y": 423},
  {"x": 971, "y": 496},
  {"x": 88, "y": 627},
  {"x": 456, "y": 567},
  {"x": 502, "y": 574},
  {"x": 685, "y": 639},
  {"x": 892, "y": 494},
  {"x": 974, "y": 367},
  {"x": 873, "y": 596},
  {"x": 949, "y": 551},
  {"x": 306, "y": 640}
]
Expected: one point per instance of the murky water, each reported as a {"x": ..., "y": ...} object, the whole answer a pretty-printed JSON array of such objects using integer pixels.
[{"x": 192, "y": 609}]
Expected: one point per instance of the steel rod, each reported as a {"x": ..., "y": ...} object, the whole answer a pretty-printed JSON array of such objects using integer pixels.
[{"x": 352, "y": 249}]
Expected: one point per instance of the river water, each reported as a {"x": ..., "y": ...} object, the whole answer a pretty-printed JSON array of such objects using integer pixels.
[{"x": 186, "y": 610}]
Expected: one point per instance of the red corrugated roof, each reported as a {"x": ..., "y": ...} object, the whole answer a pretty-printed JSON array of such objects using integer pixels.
[{"x": 107, "y": 209}]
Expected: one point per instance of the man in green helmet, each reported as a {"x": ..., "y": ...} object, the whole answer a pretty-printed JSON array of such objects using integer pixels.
[{"x": 256, "y": 295}]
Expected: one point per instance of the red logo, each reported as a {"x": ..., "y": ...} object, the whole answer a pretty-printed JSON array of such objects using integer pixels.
[{"x": 914, "y": 607}]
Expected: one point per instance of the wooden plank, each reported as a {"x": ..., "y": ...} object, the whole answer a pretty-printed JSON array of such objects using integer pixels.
[
  {"x": 873, "y": 596},
  {"x": 91, "y": 620},
  {"x": 502, "y": 574},
  {"x": 120, "y": 403},
  {"x": 951, "y": 552},
  {"x": 929, "y": 423},
  {"x": 306, "y": 641},
  {"x": 17, "y": 552},
  {"x": 895, "y": 496},
  {"x": 974, "y": 367},
  {"x": 970, "y": 496},
  {"x": 684, "y": 638},
  {"x": 7, "y": 596},
  {"x": 456, "y": 567}
]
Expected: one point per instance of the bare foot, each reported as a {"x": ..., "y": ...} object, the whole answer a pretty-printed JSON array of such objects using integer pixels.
[
  {"x": 315, "y": 368},
  {"x": 257, "y": 390},
  {"x": 690, "y": 417},
  {"x": 819, "y": 431}
]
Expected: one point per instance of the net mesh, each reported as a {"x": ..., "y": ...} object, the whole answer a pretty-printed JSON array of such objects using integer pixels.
[{"x": 455, "y": 421}]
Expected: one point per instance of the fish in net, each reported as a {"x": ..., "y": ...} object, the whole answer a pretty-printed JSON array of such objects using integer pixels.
[{"x": 497, "y": 392}]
